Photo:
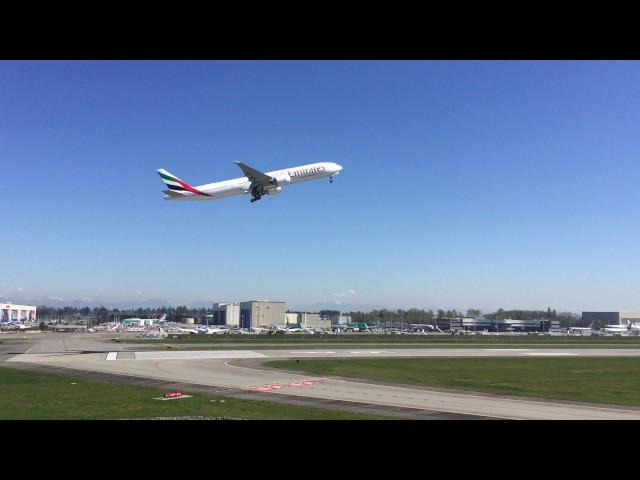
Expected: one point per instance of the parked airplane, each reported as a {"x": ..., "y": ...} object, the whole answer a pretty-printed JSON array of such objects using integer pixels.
[
  {"x": 160, "y": 333},
  {"x": 187, "y": 330},
  {"x": 254, "y": 182},
  {"x": 299, "y": 330},
  {"x": 615, "y": 329},
  {"x": 260, "y": 330},
  {"x": 580, "y": 330},
  {"x": 630, "y": 328},
  {"x": 213, "y": 330}
]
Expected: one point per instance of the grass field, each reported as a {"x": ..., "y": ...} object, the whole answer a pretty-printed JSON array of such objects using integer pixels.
[
  {"x": 600, "y": 380},
  {"x": 27, "y": 395}
]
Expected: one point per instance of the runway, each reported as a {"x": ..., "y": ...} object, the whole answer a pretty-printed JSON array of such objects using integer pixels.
[{"x": 236, "y": 369}]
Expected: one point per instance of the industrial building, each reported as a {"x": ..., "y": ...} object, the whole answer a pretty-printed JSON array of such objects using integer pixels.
[
  {"x": 139, "y": 322},
  {"x": 612, "y": 318},
  {"x": 10, "y": 312},
  {"x": 308, "y": 320},
  {"x": 226, "y": 314},
  {"x": 336, "y": 318},
  {"x": 501, "y": 324},
  {"x": 262, "y": 313},
  {"x": 291, "y": 318}
]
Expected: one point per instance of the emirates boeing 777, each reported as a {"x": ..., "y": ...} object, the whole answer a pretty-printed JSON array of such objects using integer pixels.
[{"x": 254, "y": 182}]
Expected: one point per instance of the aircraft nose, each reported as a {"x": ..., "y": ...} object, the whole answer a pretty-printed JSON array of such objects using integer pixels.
[{"x": 338, "y": 168}]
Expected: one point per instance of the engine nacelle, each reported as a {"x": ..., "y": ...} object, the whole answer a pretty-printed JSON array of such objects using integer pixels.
[
  {"x": 283, "y": 179},
  {"x": 274, "y": 191}
]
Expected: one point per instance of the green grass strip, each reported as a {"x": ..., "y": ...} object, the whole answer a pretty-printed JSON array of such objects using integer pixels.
[
  {"x": 600, "y": 380},
  {"x": 26, "y": 395}
]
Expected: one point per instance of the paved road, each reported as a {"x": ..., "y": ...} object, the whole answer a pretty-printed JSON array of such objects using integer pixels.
[{"x": 235, "y": 369}]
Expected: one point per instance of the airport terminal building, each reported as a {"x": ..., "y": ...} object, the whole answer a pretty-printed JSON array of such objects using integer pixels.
[{"x": 10, "y": 312}]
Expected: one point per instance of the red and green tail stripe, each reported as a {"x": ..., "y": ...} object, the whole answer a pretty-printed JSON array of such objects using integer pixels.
[{"x": 174, "y": 183}]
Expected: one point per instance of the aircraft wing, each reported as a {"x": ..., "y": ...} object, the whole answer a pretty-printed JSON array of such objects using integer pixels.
[{"x": 254, "y": 176}]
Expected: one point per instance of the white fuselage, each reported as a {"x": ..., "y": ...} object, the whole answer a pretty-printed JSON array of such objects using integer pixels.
[{"x": 284, "y": 177}]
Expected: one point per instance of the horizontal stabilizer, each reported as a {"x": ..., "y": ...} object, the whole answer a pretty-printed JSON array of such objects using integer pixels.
[{"x": 174, "y": 194}]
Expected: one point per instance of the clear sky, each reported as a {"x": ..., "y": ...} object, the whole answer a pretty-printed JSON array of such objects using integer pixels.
[{"x": 465, "y": 184}]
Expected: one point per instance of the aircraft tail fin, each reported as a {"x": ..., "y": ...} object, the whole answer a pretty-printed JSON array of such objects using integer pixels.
[
  {"x": 173, "y": 182},
  {"x": 178, "y": 186}
]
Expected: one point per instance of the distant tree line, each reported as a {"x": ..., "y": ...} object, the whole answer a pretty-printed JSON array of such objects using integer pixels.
[
  {"x": 566, "y": 319},
  {"x": 413, "y": 315},
  {"x": 104, "y": 315}
]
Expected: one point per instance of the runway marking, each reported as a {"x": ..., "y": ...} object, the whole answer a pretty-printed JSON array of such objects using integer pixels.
[
  {"x": 278, "y": 386},
  {"x": 295, "y": 353},
  {"x": 197, "y": 354},
  {"x": 506, "y": 349},
  {"x": 260, "y": 389},
  {"x": 175, "y": 398},
  {"x": 367, "y": 352},
  {"x": 112, "y": 356},
  {"x": 549, "y": 354}
]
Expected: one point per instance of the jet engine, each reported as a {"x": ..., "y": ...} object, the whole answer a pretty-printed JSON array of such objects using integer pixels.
[
  {"x": 283, "y": 179},
  {"x": 274, "y": 191}
]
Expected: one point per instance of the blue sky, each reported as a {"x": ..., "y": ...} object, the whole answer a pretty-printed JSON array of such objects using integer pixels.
[{"x": 465, "y": 184}]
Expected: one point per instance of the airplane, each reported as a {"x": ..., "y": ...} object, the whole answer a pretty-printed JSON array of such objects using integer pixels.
[
  {"x": 160, "y": 333},
  {"x": 213, "y": 330},
  {"x": 136, "y": 329},
  {"x": 425, "y": 326},
  {"x": 579, "y": 330},
  {"x": 254, "y": 182},
  {"x": 615, "y": 329},
  {"x": 299, "y": 330},
  {"x": 261, "y": 330},
  {"x": 630, "y": 328},
  {"x": 187, "y": 330}
]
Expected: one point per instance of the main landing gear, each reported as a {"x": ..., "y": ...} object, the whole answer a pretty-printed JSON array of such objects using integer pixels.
[
  {"x": 330, "y": 179},
  {"x": 256, "y": 194}
]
